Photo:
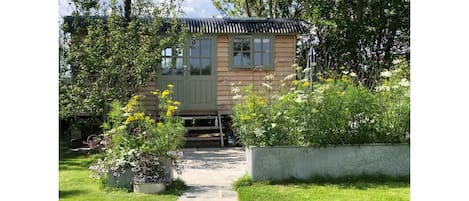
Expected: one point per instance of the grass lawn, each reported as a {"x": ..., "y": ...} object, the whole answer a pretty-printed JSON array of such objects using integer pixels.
[
  {"x": 359, "y": 190},
  {"x": 76, "y": 185}
]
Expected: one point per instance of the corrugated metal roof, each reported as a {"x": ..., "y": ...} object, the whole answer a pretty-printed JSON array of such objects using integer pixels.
[
  {"x": 226, "y": 25},
  {"x": 244, "y": 25}
]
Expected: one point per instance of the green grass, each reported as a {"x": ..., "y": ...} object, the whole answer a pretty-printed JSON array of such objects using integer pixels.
[
  {"x": 321, "y": 189},
  {"x": 76, "y": 185}
]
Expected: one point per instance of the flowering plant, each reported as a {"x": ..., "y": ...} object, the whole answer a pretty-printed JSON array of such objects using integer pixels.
[
  {"x": 138, "y": 143},
  {"x": 336, "y": 109}
]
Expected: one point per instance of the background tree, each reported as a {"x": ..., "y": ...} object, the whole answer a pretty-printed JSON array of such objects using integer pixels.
[
  {"x": 260, "y": 8},
  {"x": 113, "y": 50},
  {"x": 361, "y": 35}
]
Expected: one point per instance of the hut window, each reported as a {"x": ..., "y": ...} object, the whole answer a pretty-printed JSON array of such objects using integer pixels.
[
  {"x": 200, "y": 57},
  {"x": 242, "y": 52},
  {"x": 172, "y": 61},
  {"x": 261, "y": 51},
  {"x": 251, "y": 51}
]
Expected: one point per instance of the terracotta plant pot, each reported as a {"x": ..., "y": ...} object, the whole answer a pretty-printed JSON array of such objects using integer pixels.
[{"x": 149, "y": 188}]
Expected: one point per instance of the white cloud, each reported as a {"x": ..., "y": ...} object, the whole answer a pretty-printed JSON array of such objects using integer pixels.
[
  {"x": 199, "y": 8},
  {"x": 188, "y": 9}
]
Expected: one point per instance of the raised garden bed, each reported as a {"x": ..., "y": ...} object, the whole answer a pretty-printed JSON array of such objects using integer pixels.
[{"x": 285, "y": 162}]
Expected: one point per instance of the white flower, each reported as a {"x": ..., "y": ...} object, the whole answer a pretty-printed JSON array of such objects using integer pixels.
[
  {"x": 290, "y": 77},
  {"x": 352, "y": 74},
  {"x": 235, "y": 90},
  {"x": 386, "y": 73},
  {"x": 404, "y": 82},
  {"x": 258, "y": 132},
  {"x": 345, "y": 72},
  {"x": 269, "y": 77},
  {"x": 396, "y": 61},
  {"x": 300, "y": 98},
  {"x": 383, "y": 88},
  {"x": 237, "y": 96},
  {"x": 266, "y": 86}
]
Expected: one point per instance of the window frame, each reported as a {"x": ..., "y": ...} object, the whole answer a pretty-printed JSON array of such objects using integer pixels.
[
  {"x": 173, "y": 59},
  {"x": 210, "y": 57},
  {"x": 251, "y": 52}
]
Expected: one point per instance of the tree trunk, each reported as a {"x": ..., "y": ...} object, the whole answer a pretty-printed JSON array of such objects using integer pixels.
[
  {"x": 248, "y": 12},
  {"x": 127, "y": 9},
  {"x": 270, "y": 8}
]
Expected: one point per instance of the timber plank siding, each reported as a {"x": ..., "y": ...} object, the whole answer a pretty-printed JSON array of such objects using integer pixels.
[
  {"x": 284, "y": 57},
  {"x": 226, "y": 77}
]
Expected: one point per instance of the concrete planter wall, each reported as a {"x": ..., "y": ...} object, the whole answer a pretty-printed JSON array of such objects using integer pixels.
[{"x": 284, "y": 162}]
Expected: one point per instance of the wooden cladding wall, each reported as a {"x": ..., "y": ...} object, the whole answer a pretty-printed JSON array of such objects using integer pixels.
[
  {"x": 284, "y": 56},
  {"x": 149, "y": 100}
]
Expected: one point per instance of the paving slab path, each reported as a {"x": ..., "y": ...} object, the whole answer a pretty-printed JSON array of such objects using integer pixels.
[{"x": 209, "y": 173}]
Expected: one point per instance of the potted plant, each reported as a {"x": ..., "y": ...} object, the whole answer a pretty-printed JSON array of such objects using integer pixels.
[{"x": 140, "y": 151}]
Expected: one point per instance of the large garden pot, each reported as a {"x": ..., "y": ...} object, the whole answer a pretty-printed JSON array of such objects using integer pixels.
[
  {"x": 149, "y": 188},
  {"x": 121, "y": 181},
  {"x": 285, "y": 162},
  {"x": 125, "y": 180}
]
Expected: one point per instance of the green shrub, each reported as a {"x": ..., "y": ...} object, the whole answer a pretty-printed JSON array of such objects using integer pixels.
[{"x": 394, "y": 97}]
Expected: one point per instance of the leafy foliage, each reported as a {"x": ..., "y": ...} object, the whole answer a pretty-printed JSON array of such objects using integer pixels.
[
  {"x": 362, "y": 36},
  {"x": 113, "y": 57},
  {"x": 262, "y": 8},
  {"x": 334, "y": 110}
]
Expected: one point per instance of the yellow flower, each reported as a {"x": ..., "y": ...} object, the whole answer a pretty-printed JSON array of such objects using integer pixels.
[
  {"x": 135, "y": 117},
  {"x": 149, "y": 120},
  {"x": 344, "y": 79},
  {"x": 305, "y": 84},
  {"x": 295, "y": 82},
  {"x": 169, "y": 101},
  {"x": 164, "y": 93},
  {"x": 244, "y": 117},
  {"x": 329, "y": 80},
  {"x": 170, "y": 111},
  {"x": 177, "y": 103},
  {"x": 155, "y": 92},
  {"x": 170, "y": 86}
]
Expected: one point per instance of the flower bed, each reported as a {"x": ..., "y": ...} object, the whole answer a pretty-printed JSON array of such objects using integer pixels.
[{"x": 335, "y": 112}]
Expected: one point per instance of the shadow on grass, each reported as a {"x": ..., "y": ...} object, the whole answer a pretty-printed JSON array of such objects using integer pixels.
[
  {"x": 69, "y": 193},
  {"x": 361, "y": 182}
]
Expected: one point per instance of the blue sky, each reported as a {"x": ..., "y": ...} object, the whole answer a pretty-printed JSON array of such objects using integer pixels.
[{"x": 192, "y": 8}]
